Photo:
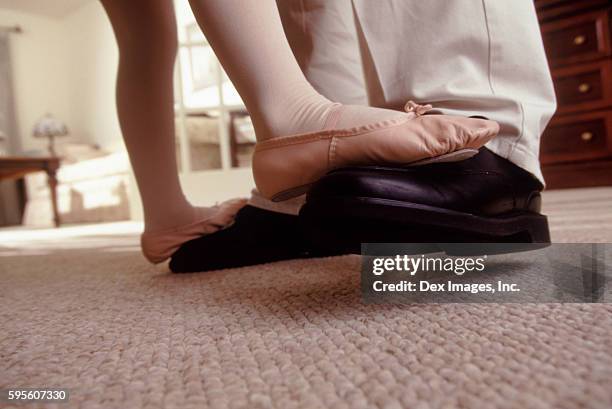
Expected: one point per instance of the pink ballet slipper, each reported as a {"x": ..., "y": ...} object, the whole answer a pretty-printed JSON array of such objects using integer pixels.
[
  {"x": 285, "y": 167},
  {"x": 159, "y": 245}
]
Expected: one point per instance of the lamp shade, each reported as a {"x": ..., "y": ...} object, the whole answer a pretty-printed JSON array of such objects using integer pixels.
[{"x": 48, "y": 126}]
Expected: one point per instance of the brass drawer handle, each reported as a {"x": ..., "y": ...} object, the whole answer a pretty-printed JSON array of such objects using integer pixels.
[
  {"x": 584, "y": 88},
  {"x": 579, "y": 39},
  {"x": 586, "y": 136}
]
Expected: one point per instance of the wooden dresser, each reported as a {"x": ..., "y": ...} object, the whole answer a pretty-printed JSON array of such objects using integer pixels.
[{"x": 576, "y": 148}]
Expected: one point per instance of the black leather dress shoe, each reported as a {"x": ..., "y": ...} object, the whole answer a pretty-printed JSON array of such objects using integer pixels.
[
  {"x": 257, "y": 236},
  {"x": 484, "y": 199}
]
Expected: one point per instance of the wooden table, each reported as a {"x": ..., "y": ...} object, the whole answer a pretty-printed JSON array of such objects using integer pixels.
[{"x": 15, "y": 167}]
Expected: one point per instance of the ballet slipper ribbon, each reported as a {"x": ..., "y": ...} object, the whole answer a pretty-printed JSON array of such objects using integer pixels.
[{"x": 417, "y": 109}]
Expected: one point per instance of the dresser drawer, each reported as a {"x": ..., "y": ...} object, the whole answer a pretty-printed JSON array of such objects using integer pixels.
[
  {"x": 577, "y": 39},
  {"x": 583, "y": 87},
  {"x": 556, "y": 9},
  {"x": 577, "y": 138}
]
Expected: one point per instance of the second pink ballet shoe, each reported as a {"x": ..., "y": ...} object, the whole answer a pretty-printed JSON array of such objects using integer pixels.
[
  {"x": 159, "y": 245},
  {"x": 285, "y": 167}
]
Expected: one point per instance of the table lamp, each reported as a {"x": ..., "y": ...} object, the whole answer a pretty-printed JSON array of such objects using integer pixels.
[{"x": 50, "y": 127}]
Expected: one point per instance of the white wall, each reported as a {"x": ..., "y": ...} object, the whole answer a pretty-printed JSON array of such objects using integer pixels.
[
  {"x": 65, "y": 66},
  {"x": 92, "y": 68},
  {"x": 40, "y": 78}
]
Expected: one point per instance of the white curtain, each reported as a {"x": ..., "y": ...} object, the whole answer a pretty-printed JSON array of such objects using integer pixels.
[
  {"x": 10, "y": 206},
  {"x": 7, "y": 113}
]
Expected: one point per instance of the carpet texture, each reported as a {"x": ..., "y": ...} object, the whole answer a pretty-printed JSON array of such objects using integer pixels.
[{"x": 87, "y": 313}]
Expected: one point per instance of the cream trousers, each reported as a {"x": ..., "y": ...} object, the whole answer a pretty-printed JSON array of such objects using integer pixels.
[{"x": 465, "y": 57}]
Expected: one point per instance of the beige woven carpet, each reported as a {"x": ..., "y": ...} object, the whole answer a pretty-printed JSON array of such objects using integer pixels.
[{"x": 89, "y": 314}]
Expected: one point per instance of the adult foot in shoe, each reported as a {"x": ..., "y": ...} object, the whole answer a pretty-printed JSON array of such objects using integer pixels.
[
  {"x": 286, "y": 166},
  {"x": 257, "y": 236},
  {"x": 482, "y": 199}
]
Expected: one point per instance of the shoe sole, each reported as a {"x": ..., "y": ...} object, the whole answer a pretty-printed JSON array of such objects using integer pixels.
[
  {"x": 347, "y": 222},
  {"x": 456, "y": 156}
]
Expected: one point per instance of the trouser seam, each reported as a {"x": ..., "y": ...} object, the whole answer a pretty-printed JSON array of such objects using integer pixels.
[
  {"x": 490, "y": 49},
  {"x": 516, "y": 140}
]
